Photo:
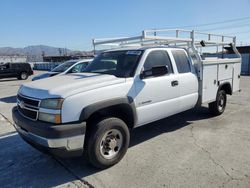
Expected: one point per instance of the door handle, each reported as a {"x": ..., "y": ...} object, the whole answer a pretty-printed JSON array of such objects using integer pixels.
[{"x": 174, "y": 83}]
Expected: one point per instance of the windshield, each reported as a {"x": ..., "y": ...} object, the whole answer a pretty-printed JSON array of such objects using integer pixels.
[
  {"x": 117, "y": 63},
  {"x": 63, "y": 67}
]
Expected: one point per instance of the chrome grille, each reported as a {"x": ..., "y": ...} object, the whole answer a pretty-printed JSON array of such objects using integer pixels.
[
  {"x": 28, "y": 101},
  {"x": 28, "y": 107}
]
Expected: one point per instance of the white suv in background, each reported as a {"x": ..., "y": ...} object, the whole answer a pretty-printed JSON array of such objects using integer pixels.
[{"x": 71, "y": 66}]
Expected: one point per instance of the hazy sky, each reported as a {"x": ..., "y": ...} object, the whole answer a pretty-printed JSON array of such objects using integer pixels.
[{"x": 73, "y": 23}]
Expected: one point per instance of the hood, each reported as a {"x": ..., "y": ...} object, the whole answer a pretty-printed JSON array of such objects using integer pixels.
[
  {"x": 45, "y": 75},
  {"x": 66, "y": 85}
]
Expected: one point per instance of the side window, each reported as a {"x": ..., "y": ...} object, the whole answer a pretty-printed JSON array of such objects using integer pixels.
[
  {"x": 181, "y": 61},
  {"x": 84, "y": 65},
  {"x": 158, "y": 58},
  {"x": 76, "y": 68},
  {"x": 79, "y": 67}
]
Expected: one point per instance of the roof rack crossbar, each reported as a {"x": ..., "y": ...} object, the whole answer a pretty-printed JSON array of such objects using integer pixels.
[{"x": 161, "y": 36}]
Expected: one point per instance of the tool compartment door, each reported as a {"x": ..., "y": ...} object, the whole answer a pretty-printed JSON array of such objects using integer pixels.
[
  {"x": 209, "y": 82},
  {"x": 225, "y": 71},
  {"x": 236, "y": 76}
]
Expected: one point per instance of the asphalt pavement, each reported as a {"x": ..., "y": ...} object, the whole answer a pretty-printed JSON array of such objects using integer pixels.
[{"x": 191, "y": 149}]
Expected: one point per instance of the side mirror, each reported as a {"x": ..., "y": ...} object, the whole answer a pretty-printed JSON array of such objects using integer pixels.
[{"x": 155, "y": 71}]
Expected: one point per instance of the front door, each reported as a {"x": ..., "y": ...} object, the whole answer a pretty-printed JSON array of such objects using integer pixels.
[{"x": 157, "y": 97}]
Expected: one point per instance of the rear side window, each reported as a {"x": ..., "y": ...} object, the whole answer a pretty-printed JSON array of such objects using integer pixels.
[
  {"x": 181, "y": 61},
  {"x": 158, "y": 58}
]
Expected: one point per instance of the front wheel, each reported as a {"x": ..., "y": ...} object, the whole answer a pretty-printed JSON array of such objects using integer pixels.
[
  {"x": 218, "y": 107},
  {"x": 108, "y": 142}
]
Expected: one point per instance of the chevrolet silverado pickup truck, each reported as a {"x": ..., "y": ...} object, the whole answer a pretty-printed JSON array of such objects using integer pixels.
[{"x": 149, "y": 77}]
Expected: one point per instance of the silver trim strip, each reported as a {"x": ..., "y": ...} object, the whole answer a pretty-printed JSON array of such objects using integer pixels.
[
  {"x": 26, "y": 116},
  {"x": 29, "y": 97},
  {"x": 39, "y": 100},
  {"x": 28, "y": 105}
]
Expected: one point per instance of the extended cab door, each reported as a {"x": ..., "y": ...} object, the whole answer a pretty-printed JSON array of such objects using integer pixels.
[
  {"x": 188, "y": 81},
  {"x": 157, "y": 96}
]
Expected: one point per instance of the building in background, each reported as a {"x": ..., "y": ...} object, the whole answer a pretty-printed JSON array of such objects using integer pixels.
[
  {"x": 241, "y": 49},
  {"x": 13, "y": 59},
  {"x": 228, "y": 53},
  {"x": 62, "y": 58}
]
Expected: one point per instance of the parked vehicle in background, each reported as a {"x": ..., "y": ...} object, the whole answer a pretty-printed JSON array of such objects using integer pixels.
[
  {"x": 124, "y": 88},
  {"x": 19, "y": 70},
  {"x": 71, "y": 66}
]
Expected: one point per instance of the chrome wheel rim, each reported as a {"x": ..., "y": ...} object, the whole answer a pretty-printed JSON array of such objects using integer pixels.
[
  {"x": 221, "y": 103},
  {"x": 111, "y": 143}
]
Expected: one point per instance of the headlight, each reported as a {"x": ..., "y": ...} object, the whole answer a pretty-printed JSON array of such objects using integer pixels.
[
  {"x": 53, "y": 118},
  {"x": 51, "y": 103}
]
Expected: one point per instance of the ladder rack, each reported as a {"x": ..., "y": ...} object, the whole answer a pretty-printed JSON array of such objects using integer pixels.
[
  {"x": 179, "y": 37},
  {"x": 191, "y": 40}
]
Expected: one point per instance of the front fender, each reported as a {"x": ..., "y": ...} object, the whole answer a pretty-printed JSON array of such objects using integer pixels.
[{"x": 91, "y": 109}]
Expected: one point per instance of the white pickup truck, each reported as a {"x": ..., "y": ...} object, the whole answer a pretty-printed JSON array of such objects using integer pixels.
[{"x": 145, "y": 80}]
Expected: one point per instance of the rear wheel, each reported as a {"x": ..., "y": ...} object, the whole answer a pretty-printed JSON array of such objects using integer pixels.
[
  {"x": 108, "y": 142},
  {"x": 23, "y": 76},
  {"x": 218, "y": 107}
]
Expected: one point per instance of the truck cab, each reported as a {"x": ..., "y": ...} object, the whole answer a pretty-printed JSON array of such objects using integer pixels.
[{"x": 93, "y": 112}]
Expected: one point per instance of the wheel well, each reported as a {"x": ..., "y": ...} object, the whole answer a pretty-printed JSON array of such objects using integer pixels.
[
  {"x": 121, "y": 111},
  {"x": 227, "y": 88}
]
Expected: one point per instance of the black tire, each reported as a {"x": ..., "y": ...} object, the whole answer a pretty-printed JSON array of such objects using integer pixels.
[
  {"x": 23, "y": 76},
  {"x": 217, "y": 107},
  {"x": 95, "y": 142}
]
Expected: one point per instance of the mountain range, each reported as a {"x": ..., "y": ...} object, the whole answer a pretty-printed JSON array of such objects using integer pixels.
[{"x": 37, "y": 51}]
